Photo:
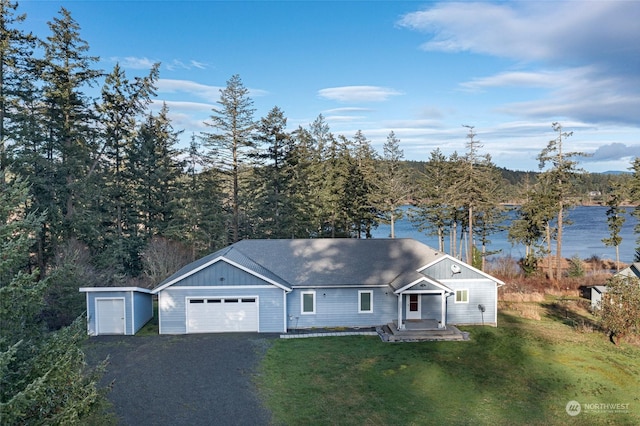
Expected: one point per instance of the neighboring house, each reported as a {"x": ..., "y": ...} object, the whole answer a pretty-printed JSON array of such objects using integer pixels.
[
  {"x": 595, "y": 292},
  {"x": 632, "y": 271},
  {"x": 272, "y": 286}
]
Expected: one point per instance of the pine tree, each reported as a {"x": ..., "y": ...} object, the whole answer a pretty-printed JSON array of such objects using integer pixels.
[
  {"x": 43, "y": 377},
  {"x": 393, "y": 187},
  {"x": 362, "y": 179},
  {"x": 124, "y": 102},
  {"x": 153, "y": 169},
  {"x": 67, "y": 70},
  {"x": 269, "y": 193},
  {"x": 232, "y": 140},
  {"x": 17, "y": 77},
  {"x": 634, "y": 193},
  {"x": 615, "y": 219},
  {"x": 560, "y": 176},
  {"x": 433, "y": 212}
]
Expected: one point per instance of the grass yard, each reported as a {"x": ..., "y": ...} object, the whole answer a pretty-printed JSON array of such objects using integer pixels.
[{"x": 523, "y": 372}]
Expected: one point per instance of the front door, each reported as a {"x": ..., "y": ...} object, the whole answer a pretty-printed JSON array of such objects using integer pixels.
[{"x": 414, "y": 311}]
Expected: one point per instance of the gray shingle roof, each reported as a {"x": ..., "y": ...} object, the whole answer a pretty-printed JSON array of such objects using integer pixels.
[
  {"x": 338, "y": 262},
  {"x": 324, "y": 262}
]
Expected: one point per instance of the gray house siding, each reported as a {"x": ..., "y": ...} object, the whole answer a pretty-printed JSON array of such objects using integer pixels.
[
  {"x": 480, "y": 292},
  {"x": 220, "y": 274},
  {"x": 338, "y": 307},
  {"x": 143, "y": 310},
  {"x": 172, "y": 305},
  {"x": 441, "y": 271}
]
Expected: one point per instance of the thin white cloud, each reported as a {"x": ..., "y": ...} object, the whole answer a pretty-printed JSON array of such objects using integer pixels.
[
  {"x": 202, "y": 91},
  {"x": 358, "y": 93},
  {"x": 532, "y": 30},
  {"x": 134, "y": 62},
  {"x": 532, "y": 79},
  {"x": 198, "y": 64},
  {"x": 177, "y": 64},
  {"x": 346, "y": 110},
  {"x": 589, "y": 51}
]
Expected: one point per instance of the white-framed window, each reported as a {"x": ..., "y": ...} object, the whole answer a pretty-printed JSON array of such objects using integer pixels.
[
  {"x": 308, "y": 302},
  {"x": 462, "y": 296},
  {"x": 365, "y": 301}
]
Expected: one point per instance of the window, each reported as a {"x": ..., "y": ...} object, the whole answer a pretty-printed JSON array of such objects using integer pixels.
[
  {"x": 462, "y": 296},
  {"x": 365, "y": 301},
  {"x": 308, "y": 302}
]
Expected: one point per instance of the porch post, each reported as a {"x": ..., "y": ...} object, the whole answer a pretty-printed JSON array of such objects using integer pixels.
[
  {"x": 400, "y": 326},
  {"x": 443, "y": 310}
]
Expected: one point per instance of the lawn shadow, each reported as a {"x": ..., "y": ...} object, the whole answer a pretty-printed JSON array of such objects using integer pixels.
[
  {"x": 503, "y": 375},
  {"x": 570, "y": 313}
]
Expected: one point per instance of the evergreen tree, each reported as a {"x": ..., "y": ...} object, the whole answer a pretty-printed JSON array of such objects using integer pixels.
[
  {"x": 474, "y": 191},
  {"x": 433, "y": 212},
  {"x": 361, "y": 191},
  {"x": 124, "y": 102},
  {"x": 269, "y": 193},
  {"x": 153, "y": 170},
  {"x": 201, "y": 218},
  {"x": 17, "y": 77},
  {"x": 393, "y": 187},
  {"x": 634, "y": 192},
  {"x": 563, "y": 171},
  {"x": 70, "y": 119},
  {"x": 615, "y": 219},
  {"x": 232, "y": 140},
  {"x": 43, "y": 377}
]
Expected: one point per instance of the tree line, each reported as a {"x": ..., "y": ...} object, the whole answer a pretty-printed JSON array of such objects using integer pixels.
[{"x": 96, "y": 190}]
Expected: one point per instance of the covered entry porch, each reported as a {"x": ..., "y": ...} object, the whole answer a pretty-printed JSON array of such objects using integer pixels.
[{"x": 422, "y": 306}]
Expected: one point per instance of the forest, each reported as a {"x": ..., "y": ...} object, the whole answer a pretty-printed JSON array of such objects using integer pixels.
[{"x": 98, "y": 190}]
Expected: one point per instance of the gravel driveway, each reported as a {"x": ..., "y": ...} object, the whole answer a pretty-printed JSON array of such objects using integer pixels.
[{"x": 202, "y": 379}]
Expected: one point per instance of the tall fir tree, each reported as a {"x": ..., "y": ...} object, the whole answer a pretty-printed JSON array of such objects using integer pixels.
[
  {"x": 124, "y": 102},
  {"x": 69, "y": 123},
  {"x": 231, "y": 141},
  {"x": 393, "y": 187},
  {"x": 18, "y": 78},
  {"x": 559, "y": 176},
  {"x": 615, "y": 218}
]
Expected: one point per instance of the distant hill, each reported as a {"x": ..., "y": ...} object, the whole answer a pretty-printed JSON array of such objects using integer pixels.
[{"x": 615, "y": 172}]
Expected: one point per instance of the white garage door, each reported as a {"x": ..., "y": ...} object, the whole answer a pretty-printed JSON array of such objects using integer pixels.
[
  {"x": 110, "y": 316},
  {"x": 222, "y": 314}
]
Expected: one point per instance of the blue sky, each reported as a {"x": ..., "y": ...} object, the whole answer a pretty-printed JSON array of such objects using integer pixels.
[{"x": 420, "y": 69}]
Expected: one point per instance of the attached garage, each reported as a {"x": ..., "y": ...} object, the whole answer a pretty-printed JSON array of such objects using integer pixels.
[
  {"x": 222, "y": 314},
  {"x": 224, "y": 292},
  {"x": 117, "y": 310}
]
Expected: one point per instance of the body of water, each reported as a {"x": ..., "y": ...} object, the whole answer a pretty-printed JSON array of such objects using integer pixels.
[{"x": 583, "y": 237}]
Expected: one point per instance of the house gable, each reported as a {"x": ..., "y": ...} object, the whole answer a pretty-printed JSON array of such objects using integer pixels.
[
  {"x": 220, "y": 272},
  {"x": 449, "y": 268}
]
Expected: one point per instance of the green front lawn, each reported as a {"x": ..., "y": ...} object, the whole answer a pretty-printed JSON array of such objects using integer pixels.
[{"x": 523, "y": 372}]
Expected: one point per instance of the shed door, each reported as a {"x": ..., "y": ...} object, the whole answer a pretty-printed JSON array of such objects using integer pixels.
[
  {"x": 110, "y": 316},
  {"x": 222, "y": 314}
]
